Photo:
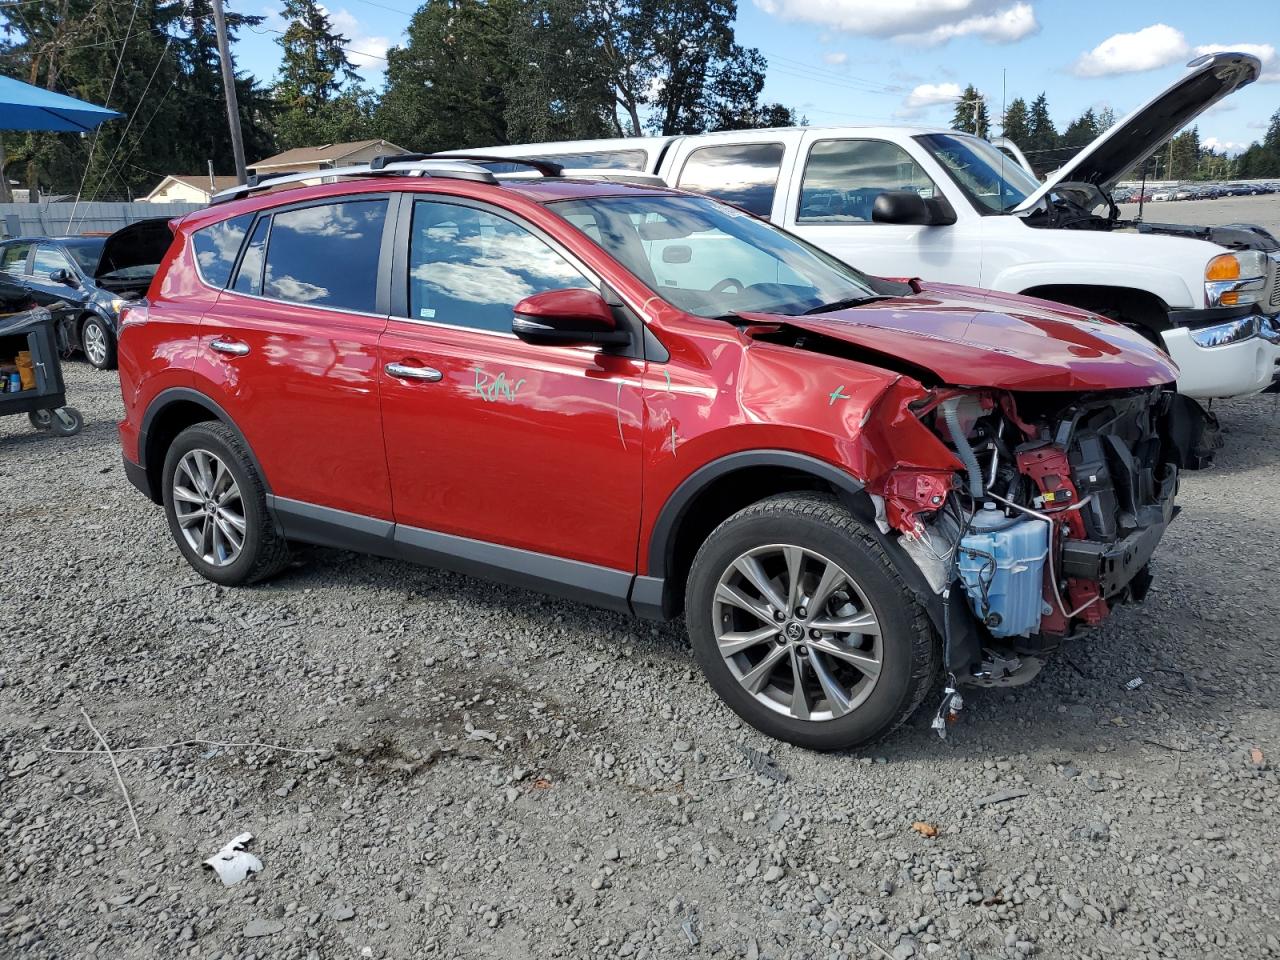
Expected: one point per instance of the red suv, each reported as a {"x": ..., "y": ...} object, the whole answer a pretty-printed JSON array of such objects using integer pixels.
[{"x": 648, "y": 400}]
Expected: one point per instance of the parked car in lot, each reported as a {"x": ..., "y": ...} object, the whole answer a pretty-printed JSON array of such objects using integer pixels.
[
  {"x": 949, "y": 207},
  {"x": 651, "y": 401},
  {"x": 93, "y": 275}
]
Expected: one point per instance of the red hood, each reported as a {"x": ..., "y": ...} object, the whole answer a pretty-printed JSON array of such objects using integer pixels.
[{"x": 979, "y": 338}]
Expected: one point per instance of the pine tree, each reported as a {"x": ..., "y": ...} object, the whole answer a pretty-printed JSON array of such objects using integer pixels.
[
  {"x": 1014, "y": 125},
  {"x": 447, "y": 88},
  {"x": 318, "y": 93},
  {"x": 1042, "y": 137},
  {"x": 1080, "y": 132},
  {"x": 971, "y": 113}
]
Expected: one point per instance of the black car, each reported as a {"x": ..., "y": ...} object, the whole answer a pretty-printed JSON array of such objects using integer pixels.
[{"x": 94, "y": 276}]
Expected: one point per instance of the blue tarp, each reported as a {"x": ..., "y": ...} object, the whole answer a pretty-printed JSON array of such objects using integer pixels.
[{"x": 24, "y": 107}]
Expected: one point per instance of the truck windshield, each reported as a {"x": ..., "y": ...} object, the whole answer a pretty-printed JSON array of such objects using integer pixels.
[
  {"x": 992, "y": 181},
  {"x": 712, "y": 260}
]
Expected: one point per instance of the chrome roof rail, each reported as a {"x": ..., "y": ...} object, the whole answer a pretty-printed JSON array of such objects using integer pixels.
[{"x": 412, "y": 165}]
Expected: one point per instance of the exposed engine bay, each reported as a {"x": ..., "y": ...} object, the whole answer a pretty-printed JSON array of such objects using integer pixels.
[
  {"x": 1052, "y": 522},
  {"x": 1076, "y": 206}
]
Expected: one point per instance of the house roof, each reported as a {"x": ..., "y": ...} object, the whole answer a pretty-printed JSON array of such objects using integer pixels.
[
  {"x": 196, "y": 181},
  {"x": 325, "y": 153}
]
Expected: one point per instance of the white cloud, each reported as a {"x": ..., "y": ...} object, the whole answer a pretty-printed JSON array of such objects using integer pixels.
[
  {"x": 836, "y": 59},
  {"x": 1230, "y": 147},
  {"x": 1147, "y": 49},
  {"x": 928, "y": 95},
  {"x": 1263, "y": 51},
  {"x": 367, "y": 52},
  {"x": 913, "y": 21},
  {"x": 1003, "y": 26}
]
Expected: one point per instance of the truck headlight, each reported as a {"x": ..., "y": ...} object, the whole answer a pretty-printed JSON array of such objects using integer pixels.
[
  {"x": 1235, "y": 279},
  {"x": 1242, "y": 328}
]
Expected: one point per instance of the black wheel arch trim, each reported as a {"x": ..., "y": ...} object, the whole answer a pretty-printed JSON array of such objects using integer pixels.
[
  {"x": 171, "y": 395},
  {"x": 666, "y": 527}
]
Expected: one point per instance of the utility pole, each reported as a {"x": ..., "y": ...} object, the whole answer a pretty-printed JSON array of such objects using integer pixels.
[{"x": 229, "y": 88}]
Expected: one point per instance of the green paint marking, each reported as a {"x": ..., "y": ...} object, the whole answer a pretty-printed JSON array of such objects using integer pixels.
[
  {"x": 668, "y": 376},
  {"x": 492, "y": 388},
  {"x": 837, "y": 394}
]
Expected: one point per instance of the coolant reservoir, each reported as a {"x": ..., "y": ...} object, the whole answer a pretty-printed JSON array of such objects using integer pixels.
[{"x": 1002, "y": 568}]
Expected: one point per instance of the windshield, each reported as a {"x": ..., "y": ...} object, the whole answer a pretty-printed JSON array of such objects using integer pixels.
[
  {"x": 85, "y": 253},
  {"x": 713, "y": 260},
  {"x": 993, "y": 182}
]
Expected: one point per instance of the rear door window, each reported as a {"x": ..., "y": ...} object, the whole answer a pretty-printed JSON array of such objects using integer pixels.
[
  {"x": 842, "y": 179},
  {"x": 13, "y": 258},
  {"x": 216, "y": 248},
  {"x": 326, "y": 255},
  {"x": 744, "y": 174}
]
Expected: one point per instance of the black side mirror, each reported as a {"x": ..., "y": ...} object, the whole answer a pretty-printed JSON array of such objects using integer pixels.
[
  {"x": 63, "y": 276},
  {"x": 901, "y": 206}
]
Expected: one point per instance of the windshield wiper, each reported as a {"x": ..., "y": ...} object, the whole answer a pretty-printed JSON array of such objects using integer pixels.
[{"x": 844, "y": 304}]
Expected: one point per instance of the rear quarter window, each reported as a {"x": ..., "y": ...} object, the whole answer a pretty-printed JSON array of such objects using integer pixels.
[
  {"x": 217, "y": 246},
  {"x": 743, "y": 174}
]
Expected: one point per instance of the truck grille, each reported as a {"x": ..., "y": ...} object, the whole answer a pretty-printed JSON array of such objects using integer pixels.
[{"x": 1273, "y": 280}]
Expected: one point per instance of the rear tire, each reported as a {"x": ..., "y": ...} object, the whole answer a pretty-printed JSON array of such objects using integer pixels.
[
  {"x": 866, "y": 654},
  {"x": 215, "y": 502}
]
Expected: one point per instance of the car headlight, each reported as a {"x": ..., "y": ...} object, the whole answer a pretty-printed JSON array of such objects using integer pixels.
[
  {"x": 116, "y": 304},
  {"x": 1235, "y": 279},
  {"x": 1233, "y": 331}
]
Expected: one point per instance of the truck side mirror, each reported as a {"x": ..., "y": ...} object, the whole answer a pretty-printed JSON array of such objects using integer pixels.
[{"x": 901, "y": 206}]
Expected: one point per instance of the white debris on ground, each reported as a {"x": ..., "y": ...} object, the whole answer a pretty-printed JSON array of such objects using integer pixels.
[
  {"x": 483, "y": 794},
  {"x": 233, "y": 862}
]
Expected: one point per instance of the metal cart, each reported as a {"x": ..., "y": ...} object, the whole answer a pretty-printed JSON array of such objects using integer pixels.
[{"x": 31, "y": 337}]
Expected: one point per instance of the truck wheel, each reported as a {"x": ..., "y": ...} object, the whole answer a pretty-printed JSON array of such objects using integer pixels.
[
  {"x": 98, "y": 343},
  {"x": 804, "y": 627},
  {"x": 216, "y": 505}
]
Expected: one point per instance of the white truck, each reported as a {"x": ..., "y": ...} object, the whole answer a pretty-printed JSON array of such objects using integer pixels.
[{"x": 946, "y": 206}]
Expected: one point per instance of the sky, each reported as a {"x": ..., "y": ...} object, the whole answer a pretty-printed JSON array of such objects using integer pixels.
[{"x": 848, "y": 62}]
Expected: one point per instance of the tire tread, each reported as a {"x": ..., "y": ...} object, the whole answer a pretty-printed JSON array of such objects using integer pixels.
[{"x": 828, "y": 511}]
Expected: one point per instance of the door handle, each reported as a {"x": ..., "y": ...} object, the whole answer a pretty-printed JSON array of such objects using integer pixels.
[
  {"x": 229, "y": 347},
  {"x": 406, "y": 372}
]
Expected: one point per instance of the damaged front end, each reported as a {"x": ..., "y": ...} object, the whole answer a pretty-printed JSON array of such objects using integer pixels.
[{"x": 1051, "y": 522}]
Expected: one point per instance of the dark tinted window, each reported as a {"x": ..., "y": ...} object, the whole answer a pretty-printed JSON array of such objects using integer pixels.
[
  {"x": 744, "y": 174},
  {"x": 13, "y": 258},
  {"x": 469, "y": 268},
  {"x": 326, "y": 255},
  {"x": 249, "y": 279},
  {"x": 217, "y": 246},
  {"x": 86, "y": 253},
  {"x": 842, "y": 179}
]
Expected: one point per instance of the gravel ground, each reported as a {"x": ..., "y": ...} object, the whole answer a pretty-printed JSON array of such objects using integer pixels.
[
  {"x": 1264, "y": 211},
  {"x": 507, "y": 776}
]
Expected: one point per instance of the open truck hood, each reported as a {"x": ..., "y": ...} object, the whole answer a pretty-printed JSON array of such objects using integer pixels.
[
  {"x": 977, "y": 338},
  {"x": 1133, "y": 139}
]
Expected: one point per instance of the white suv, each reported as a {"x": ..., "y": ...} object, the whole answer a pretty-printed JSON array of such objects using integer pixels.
[{"x": 947, "y": 206}]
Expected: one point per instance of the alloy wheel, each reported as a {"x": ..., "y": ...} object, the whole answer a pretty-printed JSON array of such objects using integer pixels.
[
  {"x": 797, "y": 632},
  {"x": 209, "y": 508},
  {"x": 95, "y": 343}
]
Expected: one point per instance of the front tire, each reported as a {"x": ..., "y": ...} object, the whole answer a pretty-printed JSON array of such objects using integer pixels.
[
  {"x": 804, "y": 627},
  {"x": 215, "y": 502},
  {"x": 98, "y": 343}
]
